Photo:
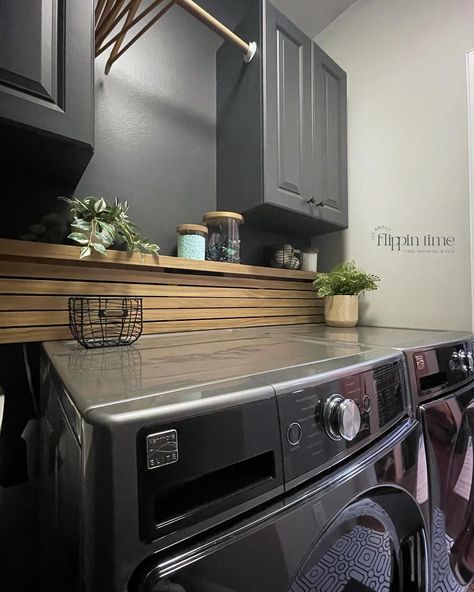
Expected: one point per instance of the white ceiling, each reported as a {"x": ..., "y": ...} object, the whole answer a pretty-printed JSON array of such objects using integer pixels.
[{"x": 312, "y": 16}]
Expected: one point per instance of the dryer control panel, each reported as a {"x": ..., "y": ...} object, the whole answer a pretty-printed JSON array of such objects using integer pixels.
[
  {"x": 326, "y": 423},
  {"x": 443, "y": 368}
]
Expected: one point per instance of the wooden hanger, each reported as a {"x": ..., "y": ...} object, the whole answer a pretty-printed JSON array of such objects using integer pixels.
[{"x": 110, "y": 13}]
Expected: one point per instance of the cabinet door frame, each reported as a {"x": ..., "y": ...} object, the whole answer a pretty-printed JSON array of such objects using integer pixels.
[
  {"x": 334, "y": 208},
  {"x": 293, "y": 196},
  {"x": 60, "y": 102}
]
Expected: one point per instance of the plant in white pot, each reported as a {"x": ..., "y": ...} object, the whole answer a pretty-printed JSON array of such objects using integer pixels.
[{"x": 342, "y": 287}]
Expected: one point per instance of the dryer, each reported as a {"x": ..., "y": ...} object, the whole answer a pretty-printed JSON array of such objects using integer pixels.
[
  {"x": 231, "y": 462},
  {"x": 441, "y": 374}
]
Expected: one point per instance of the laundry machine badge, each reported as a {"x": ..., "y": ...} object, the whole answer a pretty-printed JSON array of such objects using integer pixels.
[{"x": 162, "y": 449}]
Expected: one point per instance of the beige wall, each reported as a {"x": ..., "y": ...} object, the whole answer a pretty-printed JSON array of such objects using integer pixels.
[{"x": 408, "y": 156}]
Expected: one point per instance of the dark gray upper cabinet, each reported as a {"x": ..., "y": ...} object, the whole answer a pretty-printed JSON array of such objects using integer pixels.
[
  {"x": 46, "y": 80},
  {"x": 287, "y": 142},
  {"x": 329, "y": 138},
  {"x": 281, "y": 129}
]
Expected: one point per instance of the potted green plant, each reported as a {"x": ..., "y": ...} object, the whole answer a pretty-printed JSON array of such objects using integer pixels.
[
  {"x": 97, "y": 225},
  {"x": 341, "y": 287}
]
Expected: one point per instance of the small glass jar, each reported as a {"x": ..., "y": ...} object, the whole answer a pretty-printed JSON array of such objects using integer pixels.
[
  {"x": 224, "y": 241},
  {"x": 192, "y": 241}
]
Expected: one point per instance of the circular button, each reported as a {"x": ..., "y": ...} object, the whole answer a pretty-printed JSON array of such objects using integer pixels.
[
  {"x": 366, "y": 403},
  {"x": 294, "y": 433}
]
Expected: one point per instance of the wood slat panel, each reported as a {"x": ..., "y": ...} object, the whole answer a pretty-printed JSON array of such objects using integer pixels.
[
  {"x": 56, "y": 333},
  {"x": 20, "y": 286},
  {"x": 42, "y": 318},
  {"x": 20, "y": 269},
  {"x": 23, "y": 303},
  {"x": 36, "y": 281},
  {"x": 43, "y": 252}
]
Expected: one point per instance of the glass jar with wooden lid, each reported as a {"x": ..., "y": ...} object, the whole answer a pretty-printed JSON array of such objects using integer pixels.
[
  {"x": 224, "y": 240},
  {"x": 192, "y": 241}
]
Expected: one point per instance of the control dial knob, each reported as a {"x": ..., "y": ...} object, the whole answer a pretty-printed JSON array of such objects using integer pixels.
[{"x": 341, "y": 418}]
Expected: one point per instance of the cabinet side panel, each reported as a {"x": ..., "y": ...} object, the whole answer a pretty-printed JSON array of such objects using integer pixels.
[
  {"x": 239, "y": 120},
  {"x": 330, "y": 137}
]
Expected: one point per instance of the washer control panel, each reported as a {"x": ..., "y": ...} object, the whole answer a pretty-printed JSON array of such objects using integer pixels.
[{"x": 330, "y": 420}]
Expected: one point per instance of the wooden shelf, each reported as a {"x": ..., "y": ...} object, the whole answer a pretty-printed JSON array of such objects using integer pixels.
[
  {"x": 41, "y": 252},
  {"x": 37, "y": 280}
]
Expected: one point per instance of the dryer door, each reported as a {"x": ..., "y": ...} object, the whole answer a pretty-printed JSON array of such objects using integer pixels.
[
  {"x": 449, "y": 430},
  {"x": 331, "y": 538}
]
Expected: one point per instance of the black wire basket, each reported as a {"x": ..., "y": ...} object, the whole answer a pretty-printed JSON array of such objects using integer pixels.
[{"x": 106, "y": 321}]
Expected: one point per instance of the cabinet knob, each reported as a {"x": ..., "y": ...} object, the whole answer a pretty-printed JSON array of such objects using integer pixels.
[{"x": 312, "y": 201}]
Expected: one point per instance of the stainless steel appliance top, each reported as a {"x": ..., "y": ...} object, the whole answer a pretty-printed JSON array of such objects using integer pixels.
[
  {"x": 403, "y": 339},
  {"x": 200, "y": 370},
  {"x": 438, "y": 361}
]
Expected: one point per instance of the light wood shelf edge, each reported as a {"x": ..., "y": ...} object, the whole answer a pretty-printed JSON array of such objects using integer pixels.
[{"x": 24, "y": 250}]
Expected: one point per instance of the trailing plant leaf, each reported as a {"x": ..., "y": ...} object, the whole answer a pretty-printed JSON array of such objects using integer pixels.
[
  {"x": 99, "y": 248},
  {"x": 81, "y": 224},
  {"x": 100, "y": 205},
  {"x": 345, "y": 279},
  {"x": 85, "y": 252},
  {"x": 79, "y": 238},
  {"x": 105, "y": 224}
]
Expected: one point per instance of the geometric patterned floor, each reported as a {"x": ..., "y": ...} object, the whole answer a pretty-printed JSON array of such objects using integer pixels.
[
  {"x": 443, "y": 578},
  {"x": 360, "y": 560}
]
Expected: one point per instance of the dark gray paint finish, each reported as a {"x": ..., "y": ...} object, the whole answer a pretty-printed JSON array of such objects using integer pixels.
[
  {"x": 329, "y": 138},
  {"x": 287, "y": 147},
  {"x": 155, "y": 137},
  {"x": 240, "y": 119},
  {"x": 55, "y": 95},
  {"x": 297, "y": 164}
]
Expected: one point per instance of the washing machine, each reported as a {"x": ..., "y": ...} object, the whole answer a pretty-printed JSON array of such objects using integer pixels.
[
  {"x": 231, "y": 461},
  {"x": 441, "y": 374}
]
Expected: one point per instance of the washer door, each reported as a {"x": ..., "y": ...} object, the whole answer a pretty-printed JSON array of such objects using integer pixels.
[
  {"x": 449, "y": 430},
  {"x": 360, "y": 551},
  {"x": 332, "y": 538}
]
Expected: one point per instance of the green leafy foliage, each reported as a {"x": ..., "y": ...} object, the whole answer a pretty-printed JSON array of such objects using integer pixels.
[
  {"x": 98, "y": 224},
  {"x": 345, "y": 279}
]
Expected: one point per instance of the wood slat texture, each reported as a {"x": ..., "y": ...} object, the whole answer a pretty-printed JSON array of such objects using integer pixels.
[
  {"x": 44, "y": 303},
  {"x": 39, "y": 252},
  {"x": 36, "y": 281}
]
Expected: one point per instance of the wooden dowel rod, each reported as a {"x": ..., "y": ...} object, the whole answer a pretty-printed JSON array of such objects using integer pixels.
[
  {"x": 214, "y": 24},
  {"x": 138, "y": 35},
  {"x": 142, "y": 14},
  {"x": 131, "y": 14}
]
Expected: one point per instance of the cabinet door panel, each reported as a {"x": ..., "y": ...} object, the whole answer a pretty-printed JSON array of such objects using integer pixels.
[
  {"x": 46, "y": 66},
  {"x": 329, "y": 138},
  {"x": 288, "y": 114}
]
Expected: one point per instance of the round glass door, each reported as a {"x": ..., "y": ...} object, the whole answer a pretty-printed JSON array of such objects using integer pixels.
[
  {"x": 362, "y": 552},
  {"x": 372, "y": 544}
]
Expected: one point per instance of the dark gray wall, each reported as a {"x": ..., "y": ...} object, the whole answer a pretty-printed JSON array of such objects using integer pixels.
[
  {"x": 155, "y": 139},
  {"x": 155, "y": 134}
]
